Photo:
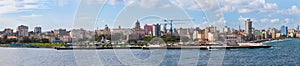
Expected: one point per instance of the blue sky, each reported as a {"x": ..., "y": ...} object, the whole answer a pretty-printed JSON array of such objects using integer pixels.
[{"x": 90, "y": 14}]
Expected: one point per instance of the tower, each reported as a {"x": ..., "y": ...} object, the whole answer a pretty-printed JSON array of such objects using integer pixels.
[
  {"x": 137, "y": 24},
  {"x": 248, "y": 26},
  {"x": 248, "y": 29}
]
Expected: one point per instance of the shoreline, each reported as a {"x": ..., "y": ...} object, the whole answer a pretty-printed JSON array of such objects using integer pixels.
[{"x": 172, "y": 47}]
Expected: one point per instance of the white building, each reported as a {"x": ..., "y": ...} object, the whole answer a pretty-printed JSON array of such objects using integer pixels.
[
  {"x": 23, "y": 31},
  {"x": 212, "y": 37}
]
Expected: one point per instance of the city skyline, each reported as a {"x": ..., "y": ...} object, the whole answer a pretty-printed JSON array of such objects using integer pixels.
[
  {"x": 40, "y": 29},
  {"x": 56, "y": 14}
]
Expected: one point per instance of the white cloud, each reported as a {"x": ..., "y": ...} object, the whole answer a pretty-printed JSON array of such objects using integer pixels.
[
  {"x": 245, "y": 10},
  {"x": 248, "y": 6},
  {"x": 14, "y": 6},
  {"x": 275, "y": 20},
  {"x": 294, "y": 11},
  {"x": 31, "y": 15},
  {"x": 270, "y": 6}
]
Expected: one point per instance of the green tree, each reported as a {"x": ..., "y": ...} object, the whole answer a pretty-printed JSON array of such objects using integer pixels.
[{"x": 44, "y": 40}]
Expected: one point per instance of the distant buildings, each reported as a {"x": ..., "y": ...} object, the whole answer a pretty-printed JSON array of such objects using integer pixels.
[
  {"x": 156, "y": 30},
  {"x": 8, "y": 32},
  {"x": 137, "y": 25},
  {"x": 148, "y": 30},
  {"x": 284, "y": 30},
  {"x": 273, "y": 32},
  {"x": 248, "y": 29},
  {"x": 22, "y": 31},
  {"x": 59, "y": 32},
  {"x": 38, "y": 30},
  {"x": 121, "y": 35}
]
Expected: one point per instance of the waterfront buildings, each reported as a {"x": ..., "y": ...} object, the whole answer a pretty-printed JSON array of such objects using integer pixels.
[
  {"x": 248, "y": 29},
  {"x": 137, "y": 25},
  {"x": 273, "y": 32},
  {"x": 121, "y": 35},
  {"x": 156, "y": 30},
  {"x": 148, "y": 30},
  {"x": 22, "y": 31},
  {"x": 8, "y": 32},
  {"x": 59, "y": 32},
  {"x": 38, "y": 30},
  {"x": 284, "y": 30}
]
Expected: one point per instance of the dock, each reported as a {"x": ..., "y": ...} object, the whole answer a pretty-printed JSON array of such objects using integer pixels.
[{"x": 176, "y": 47}]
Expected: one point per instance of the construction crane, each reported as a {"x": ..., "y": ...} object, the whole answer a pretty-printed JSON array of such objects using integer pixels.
[{"x": 170, "y": 21}]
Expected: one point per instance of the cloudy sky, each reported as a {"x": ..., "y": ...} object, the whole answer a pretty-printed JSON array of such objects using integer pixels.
[{"x": 90, "y": 14}]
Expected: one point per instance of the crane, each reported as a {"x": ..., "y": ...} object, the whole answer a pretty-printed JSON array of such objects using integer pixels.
[{"x": 170, "y": 21}]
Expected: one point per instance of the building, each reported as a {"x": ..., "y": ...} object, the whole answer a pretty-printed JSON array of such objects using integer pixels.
[
  {"x": 156, "y": 30},
  {"x": 209, "y": 29},
  {"x": 231, "y": 39},
  {"x": 8, "y": 32},
  {"x": 284, "y": 30},
  {"x": 200, "y": 34},
  {"x": 137, "y": 25},
  {"x": 249, "y": 29},
  {"x": 148, "y": 30},
  {"x": 213, "y": 37},
  {"x": 248, "y": 26},
  {"x": 22, "y": 31},
  {"x": 78, "y": 34},
  {"x": 59, "y": 32},
  {"x": 38, "y": 30},
  {"x": 273, "y": 32}
]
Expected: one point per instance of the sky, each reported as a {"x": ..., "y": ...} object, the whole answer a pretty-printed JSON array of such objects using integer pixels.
[{"x": 93, "y": 14}]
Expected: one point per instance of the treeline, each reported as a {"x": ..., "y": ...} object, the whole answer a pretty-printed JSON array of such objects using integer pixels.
[{"x": 23, "y": 40}]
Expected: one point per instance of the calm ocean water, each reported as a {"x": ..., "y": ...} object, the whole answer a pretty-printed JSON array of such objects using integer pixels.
[{"x": 285, "y": 52}]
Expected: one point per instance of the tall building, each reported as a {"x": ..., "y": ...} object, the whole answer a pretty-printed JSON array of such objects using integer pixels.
[
  {"x": 248, "y": 26},
  {"x": 273, "y": 33},
  {"x": 22, "y": 31},
  {"x": 156, "y": 30},
  {"x": 38, "y": 30},
  {"x": 249, "y": 30},
  {"x": 148, "y": 29},
  {"x": 137, "y": 25},
  {"x": 284, "y": 30}
]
